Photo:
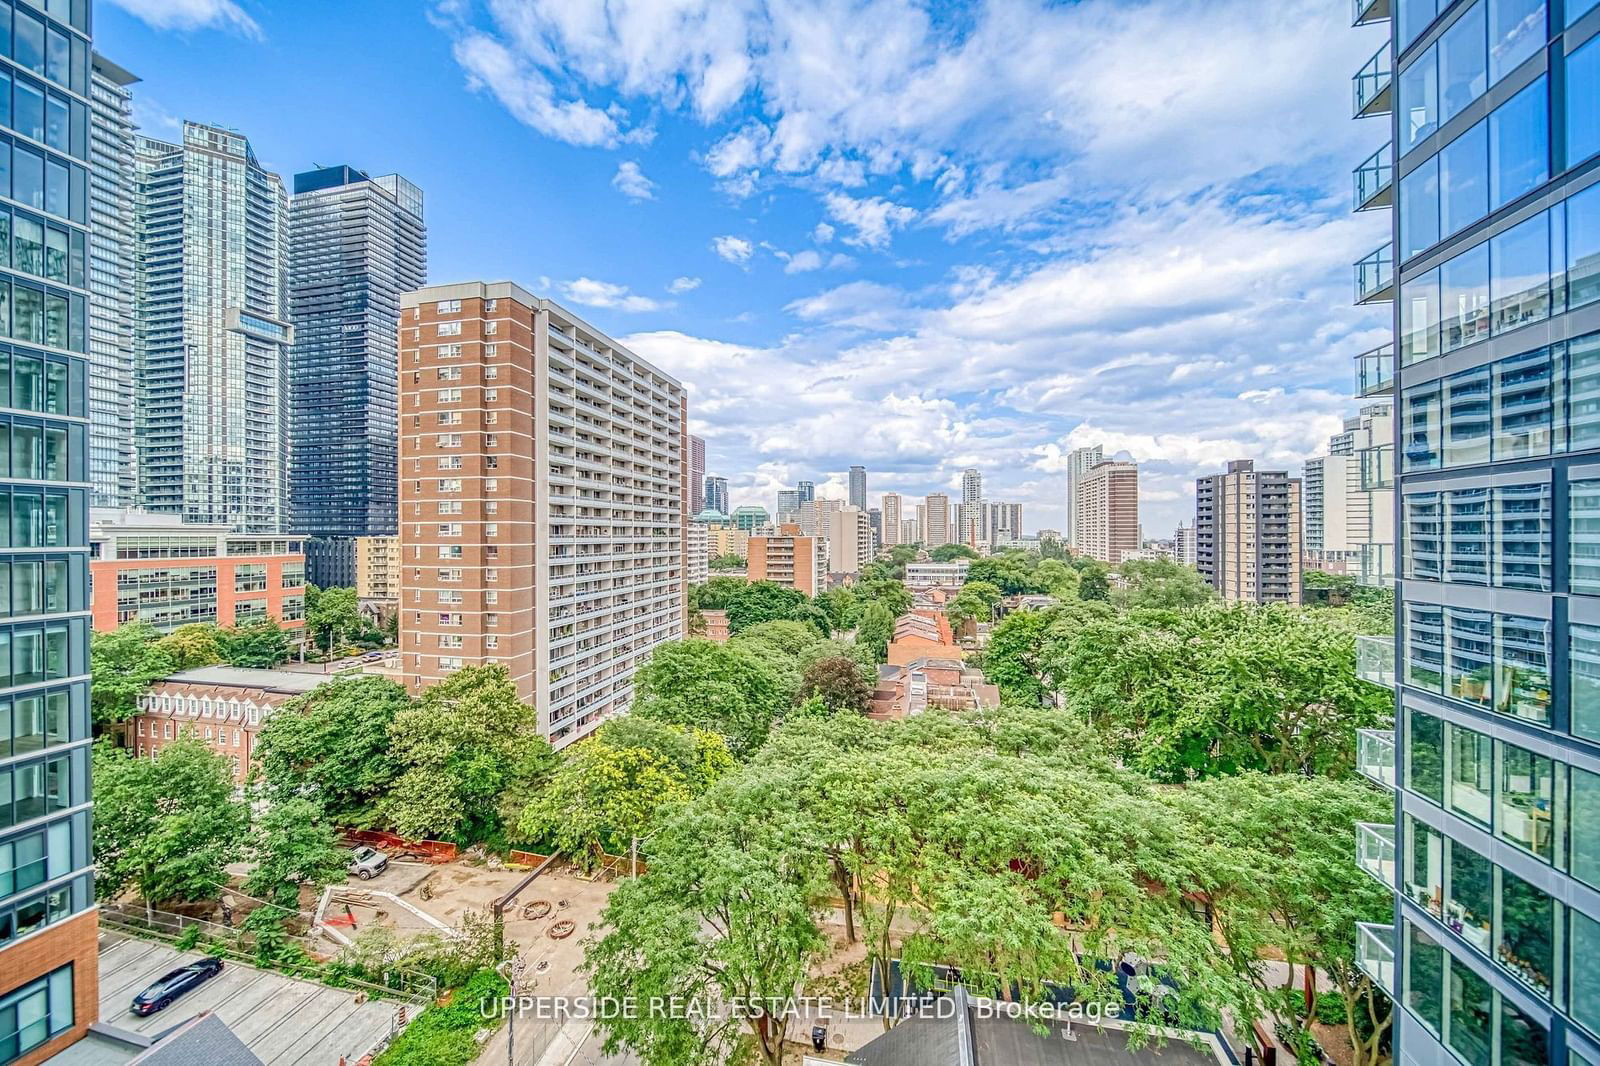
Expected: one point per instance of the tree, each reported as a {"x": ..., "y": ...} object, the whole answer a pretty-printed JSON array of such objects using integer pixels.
[
  {"x": 167, "y": 826},
  {"x": 332, "y": 614},
  {"x": 1274, "y": 859},
  {"x": 725, "y": 913},
  {"x": 123, "y": 664},
  {"x": 332, "y": 746},
  {"x": 615, "y": 785},
  {"x": 764, "y": 601},
  {"x": 1219, "y": 689},
  {"x": 460, "y": 747},
  {"x": 721, "y": 688},
  {"x": 839, "y": 683},
  {"x": 977, "y": 599},
  {"x": 1012, "y": 572},
  {"x": 729, "y": 561},
  {"x": 792, "y": 638},
  {"x": 1160, "y": 583},
  {"x": 192, "y": 646},
  {"x": 945, "y": 553},
  {"x": 255, "y": 645},
  {"x": 875, "y": 630},
  {"x": 1015, "y": 658},
  {"x": 890, "y": 592},
  {"x": 293, "y": 844},
  {"x": 841, "y": 605},
  {"x": 716, "y": 593},
  {"x": 1093, "y": 585}
]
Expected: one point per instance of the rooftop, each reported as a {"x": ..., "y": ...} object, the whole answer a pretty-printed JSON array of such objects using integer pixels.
[{"x": 237, "y": 677}]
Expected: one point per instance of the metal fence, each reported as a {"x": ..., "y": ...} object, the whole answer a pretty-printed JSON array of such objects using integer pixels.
[{"x": 407, "y": 986}]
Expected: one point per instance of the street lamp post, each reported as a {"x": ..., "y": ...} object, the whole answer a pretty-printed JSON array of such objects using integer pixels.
[{"x": 511, "y": 970}]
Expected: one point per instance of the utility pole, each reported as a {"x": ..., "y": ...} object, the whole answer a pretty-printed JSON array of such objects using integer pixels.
[{"x": 511, "y": 970}]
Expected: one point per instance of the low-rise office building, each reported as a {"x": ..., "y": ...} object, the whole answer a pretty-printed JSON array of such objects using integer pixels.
[
  {"x": 377, "y": 568},
  {"x": 160, "y": 570}
]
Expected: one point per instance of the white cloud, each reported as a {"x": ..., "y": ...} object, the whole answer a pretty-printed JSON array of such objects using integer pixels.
[
  {"x": 592, "y": 293},
  {"x": 872, "y": 218},
  {"x": 682, "y": 285},
  {"x": 801, "y": 262},
  {"x": 735, "y": 250},
  {"x": 631, "y": 182},
  {"x": 192, "y": 15},
  {"x": 524, "y": 91},
  {"x": 823, "y": 233}
]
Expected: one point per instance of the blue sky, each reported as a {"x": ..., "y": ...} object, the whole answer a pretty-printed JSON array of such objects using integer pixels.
[{"x": 915, "y": 236}]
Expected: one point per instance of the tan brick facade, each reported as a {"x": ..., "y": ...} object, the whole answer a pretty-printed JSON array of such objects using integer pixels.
[{"x": 542, "y": 501}]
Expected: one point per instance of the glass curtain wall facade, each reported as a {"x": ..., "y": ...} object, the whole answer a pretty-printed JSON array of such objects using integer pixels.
[
  {"x": 357, "y": 244},
  {"x": 212, "y": 336},
  {"x": 1492, "y": 277},
  {"x": 47, "y": 918},
  {"x": 112, "y": 473}
]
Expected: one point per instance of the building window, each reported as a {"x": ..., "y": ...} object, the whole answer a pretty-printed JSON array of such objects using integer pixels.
[
  {"x": 1527, "y": 801},
  {"x": 448, "y": 307},
  {"x": 1425, "y": 755},
  {"x": 1471, "y": 774},
  {"x": 449, "y": 329},
  {"x": 491, "y": 328},
  {"x": 37, "y": 1011},
  {"x": 1583, "y": 102},
  {"x": 449, "y": 395}
]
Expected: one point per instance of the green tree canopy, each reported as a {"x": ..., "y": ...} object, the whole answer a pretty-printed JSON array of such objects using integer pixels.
[
  {"x": 123, "y": 663},
  {"x": 332, "y": 746},
  {"x": 977, "y": 599},
  {"x": 293, "y": 844},
  {"x": 192, "y": 646},
  {"x": 166, "y": 826},
  {"x": 616, "y": 784},
  {"x": 875, "y": 630},
  {"x": 461, "y": 746},
  {"x": 1161, "y": 583},
  {"x": 945, "y": 553},
  {"x": 728, "y": 562},
  {"x": 842, "y": 606},
  {"x": 332, "y": 614},
  {"x": 720, "y": 688},
  {"x": 255, "y": 645}
]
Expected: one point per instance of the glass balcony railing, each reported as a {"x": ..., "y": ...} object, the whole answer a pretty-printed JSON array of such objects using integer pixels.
[
  {"x": 1375, "y": 953},
  {"x": 1375, "y": 276},
  {"x": 1377, "y": 468},
  {"x": 1375, "y": 851},
  {"x": 1375, "y": 752},
  {"x": 1373, "y": 85},
  {"x": 1375, "y": 660},
  {"x": 1375, "y": 180},
  {"x": 1369, "y": 11},
  {"x": 1375, "y": 567},
  {"x": 1375, "y": 371}
]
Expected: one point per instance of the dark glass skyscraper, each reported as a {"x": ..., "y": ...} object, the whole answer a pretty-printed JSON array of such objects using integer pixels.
[
  {"x": 47, "y": 921},
  {"x": 357, "y": 243},
  {"x": 1491, "y": 273}
]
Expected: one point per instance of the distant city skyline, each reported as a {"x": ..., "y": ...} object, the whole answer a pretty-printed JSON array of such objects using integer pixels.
[{"x": 895, "y": 294}]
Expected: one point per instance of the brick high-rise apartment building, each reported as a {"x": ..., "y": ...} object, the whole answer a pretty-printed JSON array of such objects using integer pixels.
[
  {"x": 1107, "y": 511},
  {"x": 543, "y": 488}
]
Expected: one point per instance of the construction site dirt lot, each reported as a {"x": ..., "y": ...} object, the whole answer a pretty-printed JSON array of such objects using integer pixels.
[{"x": 449, "y": 891}]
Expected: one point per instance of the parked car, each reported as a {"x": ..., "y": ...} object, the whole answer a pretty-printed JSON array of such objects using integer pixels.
[
  {"x": 367, "y": 862},
  {"x": 160, "y": 995}
]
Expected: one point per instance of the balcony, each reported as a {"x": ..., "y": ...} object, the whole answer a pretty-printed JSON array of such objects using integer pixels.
[
  {"x": 1375, "y": 755},
  {"x": 1375, "y": 953},
  {"x": 1377, "y": 468},
  {"x": 1374, "y": 180},
  {"x": 1375, "y": 277},
  {"x": 1374, "y": 85},
  {"x": 1375, "y": 851},
  {"x": 1375, "y": 371},
  {"x": 1369, "y": 11},
  {"x": 1375, "y": 568},
  {"x": 1375, "y": 660}
]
